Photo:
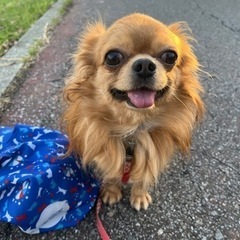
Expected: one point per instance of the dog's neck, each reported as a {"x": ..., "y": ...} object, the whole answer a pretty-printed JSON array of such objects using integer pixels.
[
  {"x": 133, "y": 130},
  {"x": 129, "y": 141},
  {"x": 129, "y": 144}
]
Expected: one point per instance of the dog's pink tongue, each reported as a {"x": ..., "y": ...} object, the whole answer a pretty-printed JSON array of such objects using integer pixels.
[{"x": 142, "y": 98}]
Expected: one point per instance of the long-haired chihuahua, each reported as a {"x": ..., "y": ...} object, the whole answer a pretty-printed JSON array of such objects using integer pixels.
[{"x": 133, "y": 95}]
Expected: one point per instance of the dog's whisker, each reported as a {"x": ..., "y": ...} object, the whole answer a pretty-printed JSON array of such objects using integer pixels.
[
  {"x": 176, "y": 97},
  {"x": 174, "y": 94}
]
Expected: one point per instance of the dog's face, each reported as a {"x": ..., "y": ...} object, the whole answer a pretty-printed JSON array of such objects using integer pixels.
[{"x": 136, "y": 64}]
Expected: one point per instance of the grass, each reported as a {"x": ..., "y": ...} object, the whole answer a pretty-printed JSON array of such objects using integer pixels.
[
  {"x": 16, "y": 17},
  {"x": 55, "y": 21},
  {"x": 34, "y": 50},
  {"x": 39, "y": 43}
]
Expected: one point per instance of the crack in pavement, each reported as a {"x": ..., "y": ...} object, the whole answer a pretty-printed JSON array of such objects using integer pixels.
[{"x": 222, "y": 22}]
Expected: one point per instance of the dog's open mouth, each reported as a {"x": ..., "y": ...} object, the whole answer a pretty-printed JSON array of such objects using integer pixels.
[{"x": 139, "y": 98}]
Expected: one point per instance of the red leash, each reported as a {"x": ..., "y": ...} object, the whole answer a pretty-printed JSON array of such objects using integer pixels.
[{"x": 100, "y": 227}]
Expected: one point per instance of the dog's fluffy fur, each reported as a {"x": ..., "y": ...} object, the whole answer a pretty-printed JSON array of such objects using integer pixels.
[{"x": 99, "y": 123}]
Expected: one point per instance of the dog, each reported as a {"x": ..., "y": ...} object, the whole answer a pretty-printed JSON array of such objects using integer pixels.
[{"x": 134, "y": 85}]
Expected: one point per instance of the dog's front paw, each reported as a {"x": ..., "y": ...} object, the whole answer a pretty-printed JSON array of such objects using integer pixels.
[
  {"x": 111, "y": 194},
  {"x": 140, "y": 199}
]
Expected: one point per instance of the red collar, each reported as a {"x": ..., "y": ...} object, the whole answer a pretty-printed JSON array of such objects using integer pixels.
[{"x": 126, "y": 171}]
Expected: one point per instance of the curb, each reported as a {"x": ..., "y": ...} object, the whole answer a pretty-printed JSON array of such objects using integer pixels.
[{"x": 13, "y": 61}]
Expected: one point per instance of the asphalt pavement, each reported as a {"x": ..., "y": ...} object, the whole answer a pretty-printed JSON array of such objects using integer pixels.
[{"x": 197, "y": 198}]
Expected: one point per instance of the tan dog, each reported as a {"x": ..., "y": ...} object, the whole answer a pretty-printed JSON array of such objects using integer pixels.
[{"x": 134, "y": 82}]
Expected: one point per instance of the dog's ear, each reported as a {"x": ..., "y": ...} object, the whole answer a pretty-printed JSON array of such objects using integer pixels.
[
  {"x": 189, "y": 65},
  {"x": 84, "y": 64},
  {"x": 184, "y": 40},
  {"x": 84, "y": 58},
  {"x": 83, "y": 61}
]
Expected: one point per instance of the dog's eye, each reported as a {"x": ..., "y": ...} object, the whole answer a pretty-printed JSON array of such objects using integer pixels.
[
  {"x": 113, "y": 58},
  {"x": 169, "y": 57}
]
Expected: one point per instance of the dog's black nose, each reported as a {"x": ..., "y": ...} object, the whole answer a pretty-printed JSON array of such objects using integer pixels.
[{"x": 144, "y": 68}]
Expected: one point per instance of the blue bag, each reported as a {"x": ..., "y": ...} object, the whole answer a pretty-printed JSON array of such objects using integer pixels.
[{"x": 40, "y": 188}]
